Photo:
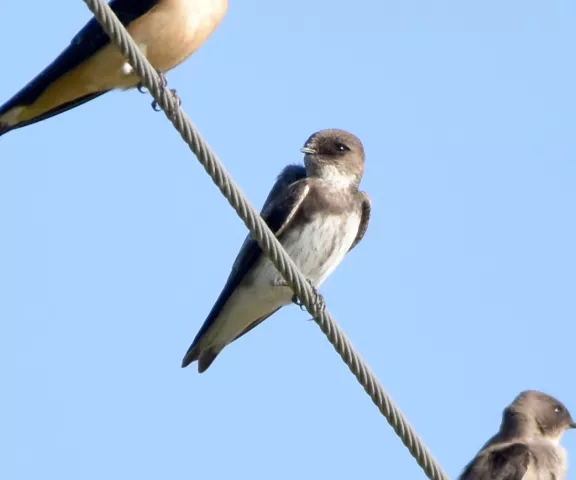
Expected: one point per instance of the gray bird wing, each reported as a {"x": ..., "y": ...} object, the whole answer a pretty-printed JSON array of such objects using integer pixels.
[
  {"x": 508, "y": 463},
  {"x": 366, "y": 211},
  {"x": 278, "y": 211}
]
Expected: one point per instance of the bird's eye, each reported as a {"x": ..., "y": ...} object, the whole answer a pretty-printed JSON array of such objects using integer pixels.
[
  {"x": 341, "y": 147},
  {"x": 559, "y": 409}
]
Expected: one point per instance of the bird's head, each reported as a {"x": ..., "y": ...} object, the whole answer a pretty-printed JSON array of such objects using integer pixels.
[{"x": 335, "y": 156}]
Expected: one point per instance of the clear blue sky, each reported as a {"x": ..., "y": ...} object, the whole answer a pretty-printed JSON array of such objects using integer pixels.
[{"x": 115, "y": 244}]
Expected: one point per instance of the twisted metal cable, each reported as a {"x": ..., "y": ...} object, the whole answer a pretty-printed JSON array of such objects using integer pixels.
[{"x": 265, "y": 238}]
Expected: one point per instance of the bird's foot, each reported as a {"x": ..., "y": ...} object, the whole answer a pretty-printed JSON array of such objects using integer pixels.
[
  {"x": 174, "y": 96},
  {"x": 319, "y": 303},
  {"x": 163, "y": 81}
]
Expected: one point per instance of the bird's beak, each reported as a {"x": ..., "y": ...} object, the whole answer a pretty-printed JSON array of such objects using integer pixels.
[
  {"x": 573, "y": 425},
  {"x": 308, "y": 150}
]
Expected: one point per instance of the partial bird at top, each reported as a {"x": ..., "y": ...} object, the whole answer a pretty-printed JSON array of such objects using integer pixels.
[
  {"x": 318, "y": 214},
  {"x": 167, "y": 32}
]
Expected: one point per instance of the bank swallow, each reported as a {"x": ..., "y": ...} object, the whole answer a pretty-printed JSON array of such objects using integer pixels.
[{"x": 318, "y": 214}]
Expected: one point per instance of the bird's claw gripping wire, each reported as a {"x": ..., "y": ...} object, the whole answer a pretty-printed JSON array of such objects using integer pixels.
[
  {"x": 319, "y": 303},
  {"x": 175, "y": 96},
  {"x": 163, "y": 81}
]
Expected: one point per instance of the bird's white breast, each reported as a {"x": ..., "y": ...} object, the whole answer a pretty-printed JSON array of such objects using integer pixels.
[
  {"x": 317, "y": 248},
  {"x": 550, "y": 460}
]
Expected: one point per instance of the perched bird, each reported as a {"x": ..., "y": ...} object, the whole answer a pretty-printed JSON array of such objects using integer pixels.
[
  {"x": 318, "y": 214},
  {"x": 527, "y": 447},
  {"x": 167, "y": 32}
]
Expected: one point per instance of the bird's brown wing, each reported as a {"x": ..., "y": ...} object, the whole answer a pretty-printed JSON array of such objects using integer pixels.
[
  {"x": 508, "y": 463},
  {"x": 365, "y": 219}
]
